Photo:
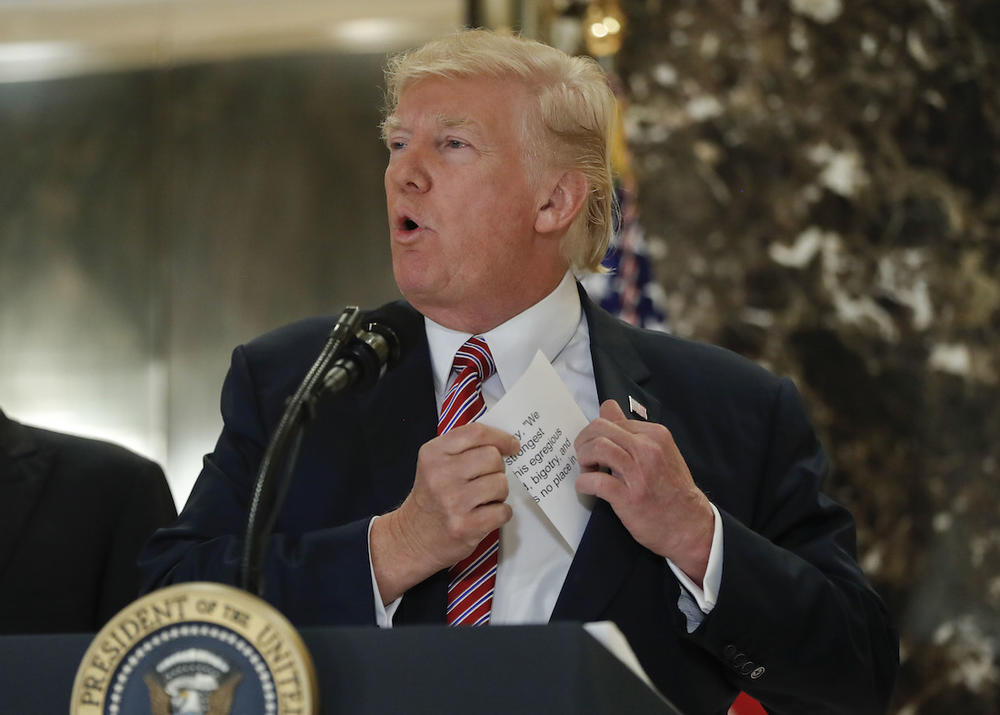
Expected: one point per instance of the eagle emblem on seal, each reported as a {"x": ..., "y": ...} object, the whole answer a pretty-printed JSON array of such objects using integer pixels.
[{"x": 192, "y": 682}]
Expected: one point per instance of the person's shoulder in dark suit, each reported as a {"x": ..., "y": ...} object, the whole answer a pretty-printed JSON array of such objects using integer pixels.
[{"x": 74, "y": 513}]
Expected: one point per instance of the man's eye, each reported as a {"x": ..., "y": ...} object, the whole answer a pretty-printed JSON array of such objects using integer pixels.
[
  {"x": 394, "y": 145},
  {"x": 455, "y": 144}
]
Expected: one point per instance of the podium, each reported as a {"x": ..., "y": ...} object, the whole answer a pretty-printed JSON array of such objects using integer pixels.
[{"x": 552, "y": 669}]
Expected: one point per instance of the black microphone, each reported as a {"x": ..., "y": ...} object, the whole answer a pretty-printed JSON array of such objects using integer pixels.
[{"x": 365, "y": 360}]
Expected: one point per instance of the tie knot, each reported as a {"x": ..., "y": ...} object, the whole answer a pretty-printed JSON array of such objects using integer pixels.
[
  {"x": 464, "y": 401},
  {"x": 475, "y": 354}
]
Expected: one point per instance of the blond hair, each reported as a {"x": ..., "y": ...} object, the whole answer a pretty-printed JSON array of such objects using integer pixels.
[{"x": 576, "y": 110}]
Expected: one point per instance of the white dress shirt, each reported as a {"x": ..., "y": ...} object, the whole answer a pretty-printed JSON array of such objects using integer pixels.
[{"x": 534, "y": 559}]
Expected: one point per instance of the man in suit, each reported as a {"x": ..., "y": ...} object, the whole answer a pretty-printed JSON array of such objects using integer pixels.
[
  {"x": 709, "y": 543},
  {"x": 74, "y": 513}
]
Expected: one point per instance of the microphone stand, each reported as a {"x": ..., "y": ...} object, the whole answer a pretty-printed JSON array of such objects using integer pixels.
[{"x": 282, "y": 450}]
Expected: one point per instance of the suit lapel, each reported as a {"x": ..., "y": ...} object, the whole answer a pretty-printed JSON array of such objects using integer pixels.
[
  {"x": 399, "y": 415},
  {"x": 398, "y": 418},
  {"x": 24, "y": 469},
  {"x": 607, "y": 552}
]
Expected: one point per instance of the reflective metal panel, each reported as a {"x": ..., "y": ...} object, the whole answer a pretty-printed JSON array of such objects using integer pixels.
[{"x": 152, "y": 219}]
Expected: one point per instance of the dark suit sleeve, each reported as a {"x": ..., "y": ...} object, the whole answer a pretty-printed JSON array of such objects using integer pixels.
[
  {"x": 316, "y": 574},
  {"x": 147, "y": 506},
  {"x": 796, "y": 623}
]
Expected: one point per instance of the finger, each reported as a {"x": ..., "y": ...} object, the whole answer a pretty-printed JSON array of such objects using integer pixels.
[
  {"x": 475, "y": 434},
  {"x": 601, "y": 485},
  {"x": 488, "y": 517},
  {"x": 612, "y": 411},
  {"x": 651, "y": 429},
  {"x": 602, "y": 428},
  {"x": 603, "y": 452},
  {"x": 632, "y": 435},
  {"x": 488, "y": 489},
  {"x": 470, "y": 527},
  {"x": 478, "y": 461},
  {"x": 484, "y": 491}
]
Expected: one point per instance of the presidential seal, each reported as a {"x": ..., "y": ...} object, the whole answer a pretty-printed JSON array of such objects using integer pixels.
[{"x": 196, "y": 649}]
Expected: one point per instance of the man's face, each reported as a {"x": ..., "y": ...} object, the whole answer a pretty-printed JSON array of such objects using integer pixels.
[{"x": 461, "y": 204}]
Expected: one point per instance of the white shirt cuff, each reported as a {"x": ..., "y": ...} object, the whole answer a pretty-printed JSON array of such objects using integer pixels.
[
  {"x": 706, "y": 594},
  {"x": 383, "y": 613}
]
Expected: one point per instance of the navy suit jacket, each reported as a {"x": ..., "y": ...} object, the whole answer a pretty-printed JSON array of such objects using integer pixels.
[{"x": 796, "y": 623}]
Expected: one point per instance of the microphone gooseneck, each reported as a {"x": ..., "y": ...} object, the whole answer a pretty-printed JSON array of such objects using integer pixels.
[{"x": 360, "y": 358}]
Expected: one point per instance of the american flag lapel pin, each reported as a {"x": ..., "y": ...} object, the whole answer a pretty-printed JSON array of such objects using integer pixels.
[{"x": 636, "y": 408}]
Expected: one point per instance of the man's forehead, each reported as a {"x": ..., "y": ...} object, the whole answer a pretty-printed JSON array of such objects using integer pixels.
[{"x": 454, "y": 102}]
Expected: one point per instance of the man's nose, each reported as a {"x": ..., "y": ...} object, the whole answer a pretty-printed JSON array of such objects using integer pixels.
[{"x": 408, "y": 170}]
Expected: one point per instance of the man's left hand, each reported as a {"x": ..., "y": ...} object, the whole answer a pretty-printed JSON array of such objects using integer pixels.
[{"x": 650, "y": 487}]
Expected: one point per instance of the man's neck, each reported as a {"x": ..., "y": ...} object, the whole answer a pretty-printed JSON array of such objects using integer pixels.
[
  {"x": 481, "y": 318},
  {"x": 547, "y": 326}
]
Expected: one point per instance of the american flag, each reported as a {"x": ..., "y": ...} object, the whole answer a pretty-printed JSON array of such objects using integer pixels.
[{"x": 630, "y": 290}]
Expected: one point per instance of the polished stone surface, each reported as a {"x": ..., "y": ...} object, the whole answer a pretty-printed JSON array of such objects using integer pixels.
[{"x": 819, "y": 183}]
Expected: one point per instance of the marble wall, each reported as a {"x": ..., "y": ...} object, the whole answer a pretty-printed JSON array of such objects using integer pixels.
[{"x": 820, "y": 185}]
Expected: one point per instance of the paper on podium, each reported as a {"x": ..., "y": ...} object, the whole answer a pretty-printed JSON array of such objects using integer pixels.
[
  {"x": 607, "y": 634},
  {"x": 541, "y": 413}
]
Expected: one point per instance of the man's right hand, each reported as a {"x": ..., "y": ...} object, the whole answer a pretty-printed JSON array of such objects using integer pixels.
[{"x": 458, "y": 497}]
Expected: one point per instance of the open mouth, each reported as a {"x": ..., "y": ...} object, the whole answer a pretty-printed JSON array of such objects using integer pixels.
[{"x": 406, "y": 223}]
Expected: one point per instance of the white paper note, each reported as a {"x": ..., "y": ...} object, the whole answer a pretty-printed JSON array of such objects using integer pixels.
[{"x": 541, "y": 413}]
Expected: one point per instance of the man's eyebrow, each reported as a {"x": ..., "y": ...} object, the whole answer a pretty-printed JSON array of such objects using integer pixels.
[
  {"x": 456, "y": 122},
  {"x": 390, "y": 124},
  {"x": 393, "y": 123}
]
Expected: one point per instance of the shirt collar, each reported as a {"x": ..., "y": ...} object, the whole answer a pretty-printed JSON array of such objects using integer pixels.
[{"x": 548, "y": 326}]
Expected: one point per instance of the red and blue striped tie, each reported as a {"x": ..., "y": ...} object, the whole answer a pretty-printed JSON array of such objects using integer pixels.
[{"x": 470, "y": 588}]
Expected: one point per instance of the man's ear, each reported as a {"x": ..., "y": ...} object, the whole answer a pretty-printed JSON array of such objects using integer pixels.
[{"x": 564, "y": 202}]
